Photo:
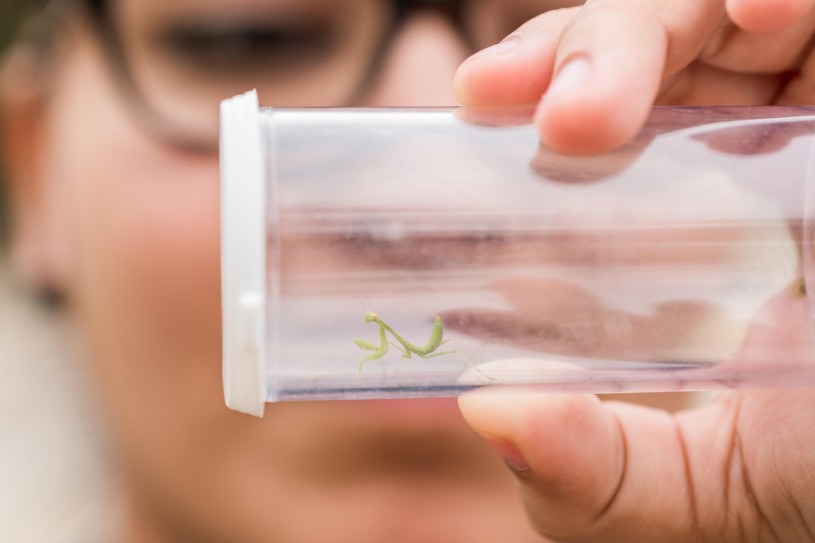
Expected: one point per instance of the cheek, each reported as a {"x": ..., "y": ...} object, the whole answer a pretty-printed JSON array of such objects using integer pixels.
[
  {"x": 148, "y": 277},
  {"x": 148, "y": 268},
  {"x": 142, "y": 226},
  {"x": 148, "y": 288}
]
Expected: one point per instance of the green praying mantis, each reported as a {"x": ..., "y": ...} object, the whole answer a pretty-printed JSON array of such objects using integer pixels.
[{"x": 408, "y": 349}]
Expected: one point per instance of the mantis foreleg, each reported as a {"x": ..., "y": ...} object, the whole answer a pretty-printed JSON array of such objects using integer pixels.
[{"x": 379, "y": 350}]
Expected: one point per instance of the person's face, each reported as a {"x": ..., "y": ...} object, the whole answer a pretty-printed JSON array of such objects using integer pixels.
[{"x": 127, "y": 226}]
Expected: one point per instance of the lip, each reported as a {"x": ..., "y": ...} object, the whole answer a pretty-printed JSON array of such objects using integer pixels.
[
  {"x": 505, "y": 327},
  {"x": 590, "y": 335},
  {"x": 435, "y": 411},
  {"x": 546, "y": 315}
]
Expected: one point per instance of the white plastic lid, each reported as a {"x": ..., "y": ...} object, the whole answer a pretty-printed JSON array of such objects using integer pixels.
[{"x": 243, "y": 259}]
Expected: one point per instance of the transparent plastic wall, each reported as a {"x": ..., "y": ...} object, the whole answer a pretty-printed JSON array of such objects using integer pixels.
[{"x": 409, "y": 253}]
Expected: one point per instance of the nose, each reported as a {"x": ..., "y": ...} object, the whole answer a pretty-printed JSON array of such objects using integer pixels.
[{"x": 419, "y": 66}]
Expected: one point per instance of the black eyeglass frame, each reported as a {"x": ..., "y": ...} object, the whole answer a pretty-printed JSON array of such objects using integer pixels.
[{"x": 102, "y": 19}]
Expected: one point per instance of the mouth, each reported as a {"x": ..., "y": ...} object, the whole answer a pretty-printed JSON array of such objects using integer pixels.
[
  {"x": 597, "y": 334},
  {"x": 533, "y": 333}
]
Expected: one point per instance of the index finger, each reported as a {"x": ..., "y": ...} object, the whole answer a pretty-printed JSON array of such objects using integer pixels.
[
  {"x": 608, "y": 59},
  {"x": 610, "y": 63}
]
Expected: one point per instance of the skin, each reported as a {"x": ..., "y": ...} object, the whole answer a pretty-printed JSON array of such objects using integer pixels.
[
  {"x": 741, "y": 468},
  {"x": 127, "y": 228},
  {"x": 630, "y": 54}
]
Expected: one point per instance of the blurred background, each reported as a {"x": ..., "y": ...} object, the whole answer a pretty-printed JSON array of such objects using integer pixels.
[{"x": 54, "y": 465}]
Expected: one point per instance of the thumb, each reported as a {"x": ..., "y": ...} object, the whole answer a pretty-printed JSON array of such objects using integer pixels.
[
  {"x": 599, "y": 471},
  {"x": 767, "y": 15}
]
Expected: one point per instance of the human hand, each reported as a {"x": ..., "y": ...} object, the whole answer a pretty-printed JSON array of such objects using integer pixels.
[
  {"x": 613, "y": 59},
  {"x": 739, "y": 469}
]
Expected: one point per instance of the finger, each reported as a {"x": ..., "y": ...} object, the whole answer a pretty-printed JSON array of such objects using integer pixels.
[
  {"x": 592, "y": 471},
  {"x": 800, "y": 89},
  {"x": 704, "y": 85},
  {"x": 743, "y": 52},
  {"x": 517, "y": 70},
  {"x": 767, "y": 15},
  {"x": 610, "y": 62}
]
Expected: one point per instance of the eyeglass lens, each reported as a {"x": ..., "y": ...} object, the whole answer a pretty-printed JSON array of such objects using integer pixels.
[{"x": 182, "y": 57}]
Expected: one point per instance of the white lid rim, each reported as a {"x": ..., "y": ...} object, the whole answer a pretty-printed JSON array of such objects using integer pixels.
[{"x": 243, "y": 258}]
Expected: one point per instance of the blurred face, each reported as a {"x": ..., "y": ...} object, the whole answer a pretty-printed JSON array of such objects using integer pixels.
[{"x": 132, "y": 238}]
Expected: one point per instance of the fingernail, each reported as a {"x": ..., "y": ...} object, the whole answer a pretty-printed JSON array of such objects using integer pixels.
[
  {"x": 501, "y": 48},
  {"x": 510, "y": 453},
  {"x": 572, "y": 76}
]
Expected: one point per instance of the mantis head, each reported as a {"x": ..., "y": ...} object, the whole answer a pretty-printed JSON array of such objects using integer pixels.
[{"x": 370, "y": 316}]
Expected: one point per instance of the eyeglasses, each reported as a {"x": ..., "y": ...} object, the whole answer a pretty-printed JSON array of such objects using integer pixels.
[{"x": 175, "y": 61}]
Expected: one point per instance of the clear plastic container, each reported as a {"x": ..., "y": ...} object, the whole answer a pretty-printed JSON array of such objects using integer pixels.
[{"x": 355, "y": 237}]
